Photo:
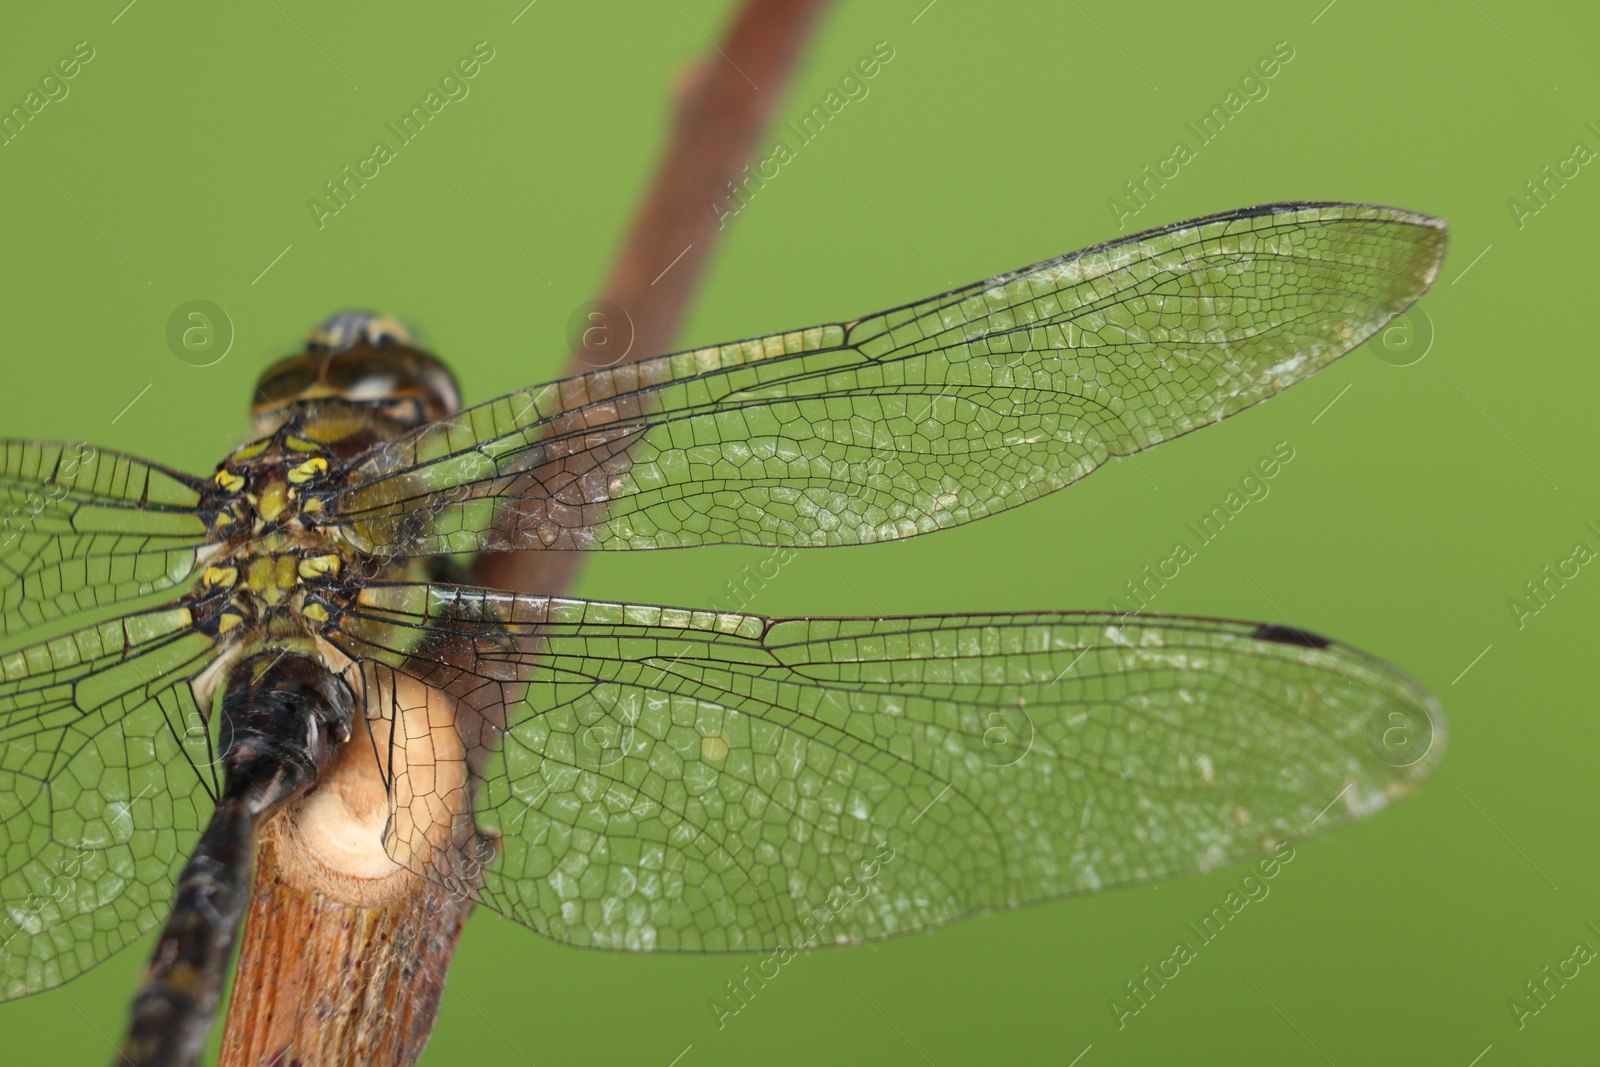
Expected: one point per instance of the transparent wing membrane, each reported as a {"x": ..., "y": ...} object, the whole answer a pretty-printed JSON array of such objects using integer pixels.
[
  {"x": 646, "y": 778},
  {"x": 104, "y": 786},
  {"x": 680, "y": 780},
  {"x": 82, "y": 529},
  {"x": 926, "y": 416}
]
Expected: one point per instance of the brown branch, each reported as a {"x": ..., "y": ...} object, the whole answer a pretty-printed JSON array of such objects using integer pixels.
[
  {"x": 725, "y": 106},
  {"x": 335, "y": 970}
]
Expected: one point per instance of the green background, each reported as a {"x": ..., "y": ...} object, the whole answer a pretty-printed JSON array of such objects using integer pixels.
[{"x": 1414, "y": 510}]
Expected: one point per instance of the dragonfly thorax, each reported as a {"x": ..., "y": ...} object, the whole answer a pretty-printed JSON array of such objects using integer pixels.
[
  {"x": 272, "y": 562},
  {"x": 262, "y": 487},
  {"x": 276, "y": 569}
]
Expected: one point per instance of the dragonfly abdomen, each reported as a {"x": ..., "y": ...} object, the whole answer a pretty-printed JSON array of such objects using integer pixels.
[{"x": 283, "y": 716}]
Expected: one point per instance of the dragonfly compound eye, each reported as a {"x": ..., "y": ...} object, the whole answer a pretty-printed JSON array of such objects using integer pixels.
[{"x": 359, "y": 358}]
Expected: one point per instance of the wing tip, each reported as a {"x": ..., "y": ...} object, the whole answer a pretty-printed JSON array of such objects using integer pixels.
[
  {"x": 1405, "y": 727},
  {"x": 1439, "y": 229}
]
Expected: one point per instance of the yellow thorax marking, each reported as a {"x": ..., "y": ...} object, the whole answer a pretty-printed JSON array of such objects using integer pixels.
[
  {"x": 312, "y": 468},
  {"x": 229, "y": 481},
  {"x": 223, "y": 576},
  {"x": 259, "y": 577},
  {"x": 315, "y": 566},
  {"x": 269, "y": 576},
  {"x": 272, "y": 501}
]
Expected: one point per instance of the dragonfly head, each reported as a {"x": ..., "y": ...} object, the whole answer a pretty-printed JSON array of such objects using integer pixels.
[{"x": 363, "y": 359}]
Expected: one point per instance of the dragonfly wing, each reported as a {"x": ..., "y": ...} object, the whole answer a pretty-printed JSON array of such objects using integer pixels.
[
  {"x": 689, "y": 781},
  {"x": 105, "y": 783},
  {"x": 82, "y": 529},
  {"x": 925, "y": 416}
]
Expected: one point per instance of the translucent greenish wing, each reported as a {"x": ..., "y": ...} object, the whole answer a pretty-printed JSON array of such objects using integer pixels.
[
  {"x": 925, "y": 416},
  {"x": 82, "y": 529},
  {"x": 689, "y": 781},
  {"x": 105, "y": 783}
]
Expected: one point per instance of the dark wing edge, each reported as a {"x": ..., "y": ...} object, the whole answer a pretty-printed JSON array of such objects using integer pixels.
[{"x": 690, "y": 781}]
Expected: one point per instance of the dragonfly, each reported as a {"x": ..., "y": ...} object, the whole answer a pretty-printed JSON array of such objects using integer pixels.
[{"x": 188, "y": 658}]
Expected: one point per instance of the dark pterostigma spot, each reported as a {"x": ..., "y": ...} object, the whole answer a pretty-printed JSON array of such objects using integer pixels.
[
  {"x": 1289, "y": 635},
  {"x": 1281, "y": 207}
]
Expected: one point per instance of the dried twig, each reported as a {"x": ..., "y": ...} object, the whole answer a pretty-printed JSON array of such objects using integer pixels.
[{"x": 724, "y": 108}]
